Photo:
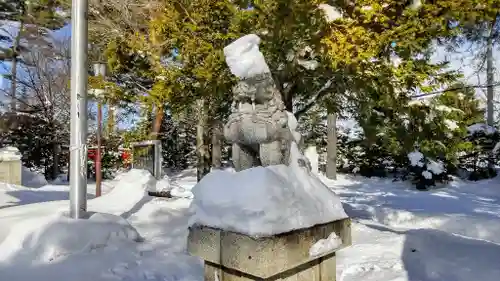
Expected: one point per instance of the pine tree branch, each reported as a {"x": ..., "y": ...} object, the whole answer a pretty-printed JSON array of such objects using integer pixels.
[
  {"x": 455, "y": 89},
  {"x": 312, "y": 101}
]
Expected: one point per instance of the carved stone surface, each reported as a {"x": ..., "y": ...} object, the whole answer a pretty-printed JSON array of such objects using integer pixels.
[
  {"x": 234, "y": 256},
  {"x": 258, "y": 126},
  {"x": 260, "y": 129}
]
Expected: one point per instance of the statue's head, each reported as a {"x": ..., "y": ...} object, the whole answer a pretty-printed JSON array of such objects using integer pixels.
[{"x": 244, "y": 91}]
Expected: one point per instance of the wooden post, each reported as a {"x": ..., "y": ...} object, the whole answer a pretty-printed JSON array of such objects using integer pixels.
[
  {"x": 98, "y": 170},
  {"x": 216, "y": 145},
  {"x": 331, "y": 163}
]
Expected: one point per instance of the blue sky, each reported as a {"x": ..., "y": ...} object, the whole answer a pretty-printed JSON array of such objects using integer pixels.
[{"x": 63, "y": 33}]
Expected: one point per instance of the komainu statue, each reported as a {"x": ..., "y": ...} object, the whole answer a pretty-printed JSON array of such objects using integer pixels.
[{"x": 260, "y": 129}]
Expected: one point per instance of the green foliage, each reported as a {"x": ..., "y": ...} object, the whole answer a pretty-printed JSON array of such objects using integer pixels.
[
  {"x": 34, "y": 138},
  {"x": 365, "y": 64},
  {"x": 480, "y": 158},
  {"x": 435, "y": 127},
  {"x": 177, "y": 138},
  {"x": 178, "y": 143},
  {"x": 111, "y": 160}
]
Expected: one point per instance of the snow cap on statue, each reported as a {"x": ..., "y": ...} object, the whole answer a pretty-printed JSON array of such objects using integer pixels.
[{"x": 244, "y": 57}]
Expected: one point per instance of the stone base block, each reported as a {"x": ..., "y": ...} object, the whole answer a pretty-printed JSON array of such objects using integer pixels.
[
  {"x": 11, "y": 172},
  {"x": 231, "y": 256},
  {"x": 321, "y": 269}
]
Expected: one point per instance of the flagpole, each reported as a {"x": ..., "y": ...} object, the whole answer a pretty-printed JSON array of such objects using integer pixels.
[{"x": 78, "y": 138}]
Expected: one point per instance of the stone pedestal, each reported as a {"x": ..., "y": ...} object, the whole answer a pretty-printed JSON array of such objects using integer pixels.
[
  {"x": 231, "y": 256},
  {"x": 10, "y": 171}
]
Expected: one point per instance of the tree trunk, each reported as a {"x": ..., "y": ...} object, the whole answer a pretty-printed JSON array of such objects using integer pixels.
[
  {"x": 490, "y": 80},
  {"x": 216, "y": 145},
  {"x": 111, "y": 120},
  {"x": 288, "y": 100},
  {"x": 202, "y": 153},
  {"x": 56, "y": 150},
  {"x": 15, "y": 48},
  {"x": 98, "y": 159},
  {"x": 157, "y": 122},
  {"x": 331, "y": 149}
]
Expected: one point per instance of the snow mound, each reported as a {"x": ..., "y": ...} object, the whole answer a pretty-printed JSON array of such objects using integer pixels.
[
  {"x": 163, "y": 184},
  {"x": 60, "y": 180},
  {"x": 264, "y": 201},
  {"x": 181, "y": 192},
  {"x": 177, "y": 191},
  {"x": 244, "y": 57},
  {"x": 32, "y": 179},
  {"x": 481, "y": 128},
  {"x": 130, "y": 188},
  {"x": 49, "y": 238}
]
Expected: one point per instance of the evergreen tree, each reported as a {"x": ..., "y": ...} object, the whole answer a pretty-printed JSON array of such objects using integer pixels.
[
  {"x": 26, "y": 26},
  {"x": 363, "y": 59}
]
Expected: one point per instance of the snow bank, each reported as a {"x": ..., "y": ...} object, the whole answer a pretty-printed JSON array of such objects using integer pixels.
[
  {"x": 264, "y": 201},
  {"x": 244, "y": 58},
  {"x": 181, "y": 192},
  {"x": 177, "y": 191},
  {"x": 32, "y": 179},
  {"x": 10, "y": 153},
  {"x": 60, "y": 180},
  {"x": 433, "y": 255},
  {"x": 163, "y": 184},
  {"x": 45, "y": 239},
  {"x": 130, "y": 188}
]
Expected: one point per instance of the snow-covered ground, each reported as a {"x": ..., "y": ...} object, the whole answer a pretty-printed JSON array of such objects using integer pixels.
[
  {"x": 36, "y": 189},
  {"x": 399, "y": 234}
]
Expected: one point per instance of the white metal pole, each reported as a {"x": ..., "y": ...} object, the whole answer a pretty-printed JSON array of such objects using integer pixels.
[{"x": 78, "y": 148}]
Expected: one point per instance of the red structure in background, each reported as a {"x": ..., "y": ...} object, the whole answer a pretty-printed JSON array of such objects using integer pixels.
[
  {"x": 125, "y": 155},
  {"x": 92, "y": 153}
]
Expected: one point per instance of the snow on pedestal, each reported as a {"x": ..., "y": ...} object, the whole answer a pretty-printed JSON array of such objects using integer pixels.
[
  {"x": 264, "y": 201},
  {"x": 267, "y": 222},
  {"x": 244, "y": 58},
  {"x": 325, "y": 245},
  {"x": 10, "y": 153},
  {"x": 10, "y": 165}
]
